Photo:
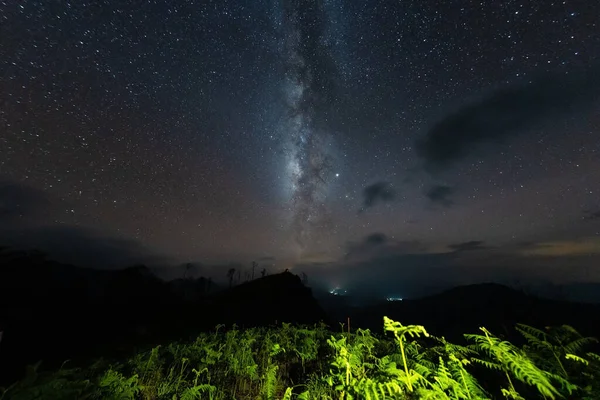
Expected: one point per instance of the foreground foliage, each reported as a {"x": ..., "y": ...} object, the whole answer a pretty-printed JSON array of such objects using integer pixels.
[{"x": 290, "y": 362}]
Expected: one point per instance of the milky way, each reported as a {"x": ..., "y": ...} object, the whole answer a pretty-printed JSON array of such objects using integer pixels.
[{"x": 308, "y": 89}]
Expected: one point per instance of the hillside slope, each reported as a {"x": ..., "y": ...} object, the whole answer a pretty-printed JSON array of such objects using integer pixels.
[
  {"x": 464, "y": 309},
  {"x": 53, "y": 312}
]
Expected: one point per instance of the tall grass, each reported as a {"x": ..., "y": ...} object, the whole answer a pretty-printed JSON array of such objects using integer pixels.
[{"x": 289, "y": 362}]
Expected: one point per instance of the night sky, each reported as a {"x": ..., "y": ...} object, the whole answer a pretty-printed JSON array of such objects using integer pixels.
[{"x": 360, "y": 141}]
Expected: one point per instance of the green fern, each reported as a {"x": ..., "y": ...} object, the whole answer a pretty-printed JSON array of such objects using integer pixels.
[
  {"x": 196, "y": 392},
  {"x": 288, "y": 394},
  {"x": 552, "y": 345},
  {"x": 269, "y": 383},
  {"x": 512, "y": 361},
  {"x": 311, "y": 363},
  {"x": 400, "y": 332},
  {"x": 61, "y": 385},
  {"x": 114, "y": 386}
]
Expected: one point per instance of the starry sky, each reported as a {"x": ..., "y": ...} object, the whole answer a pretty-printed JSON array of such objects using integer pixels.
[{"x": 354, "y": 140}]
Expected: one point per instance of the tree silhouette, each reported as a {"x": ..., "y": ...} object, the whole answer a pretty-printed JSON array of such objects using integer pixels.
[
  {"x": 263, "y": 272},
  {"x": 230, "y": 275},
  {"x": 254, "y": 265},
  {"x": 188, "y": 268}
]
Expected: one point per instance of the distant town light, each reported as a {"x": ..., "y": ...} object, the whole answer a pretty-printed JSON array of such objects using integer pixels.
[
  {"x": 394, "y": 298},
  {"x": 338, "y": 291}
]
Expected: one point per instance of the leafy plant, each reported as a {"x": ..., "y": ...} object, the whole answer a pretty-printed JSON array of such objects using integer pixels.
[
  {"x": 503, "y": 356},
  {"x": 114, "y": 386},
  {"x": 311, "y": 363},
  {"x": 62, "y": 384}
]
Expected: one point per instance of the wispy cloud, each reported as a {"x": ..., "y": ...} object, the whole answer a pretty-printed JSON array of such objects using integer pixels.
[
  {"x": 585, "y": 246},
  {"x": 18, "y": 200},
  {"x": 82, "y": 247},
  {"x": 506, "y": 112},
  {"x": 469, "y": 246}
]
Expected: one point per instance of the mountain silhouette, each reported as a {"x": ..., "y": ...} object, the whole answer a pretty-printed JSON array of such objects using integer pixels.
[
  {"x": 466, "y": 308},
  {"x": 51, "y": 311}
]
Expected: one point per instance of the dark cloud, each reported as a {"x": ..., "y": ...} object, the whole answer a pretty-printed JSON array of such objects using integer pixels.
[
  {"x": 468, "y": 246},
  {"x": 18, "y": 200},
  {"x": 525, "y": 244},
  {"x": 440, "y": 194},
  {"x": 24, "y": 211},
  {"x": 77, "y": 246},
  {"x": 376, "y": 193},
  {"x": 506, "y": 112},
  {"x": 366, "y": 246},
  {"x": 379, "y": 245}
]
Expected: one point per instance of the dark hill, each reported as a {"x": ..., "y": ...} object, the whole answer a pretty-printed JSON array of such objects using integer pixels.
[
  {"x": 274, "y": 297},
  {"x": 465, "y": 309},
  {"x": 53, "y": 312},
  {"x": 582, "y": 292}
]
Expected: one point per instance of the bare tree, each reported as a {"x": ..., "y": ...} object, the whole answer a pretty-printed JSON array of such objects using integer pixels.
[
  {"x": 230, "y": 276},
  {"x": 188, "y": 269},
  {"x": 254, "y": 265},
  {"x": 263, "y": 272}
]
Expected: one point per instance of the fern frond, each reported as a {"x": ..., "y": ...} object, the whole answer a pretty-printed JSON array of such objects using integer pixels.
[
  {"x": 467, "y": 382},
  {"x": 269, "y": 384},
  {"x": 593, "y": 356},
  {"x": 525, "y": 371},
  {"x": 288, "y": 394},
  {"x": 570, "y": 329},
  {"x": 564, "y": 384},
  {"x": 578, "y": 344},
  {"x": 531, "y": 332},
  {"x": 116, "y": 386},
  {"x": 431, "y": 394},
  {"x": 196, "y": 392},
  {"x": 577, "y": 358},
  {"x": 534, "y": 341}
]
